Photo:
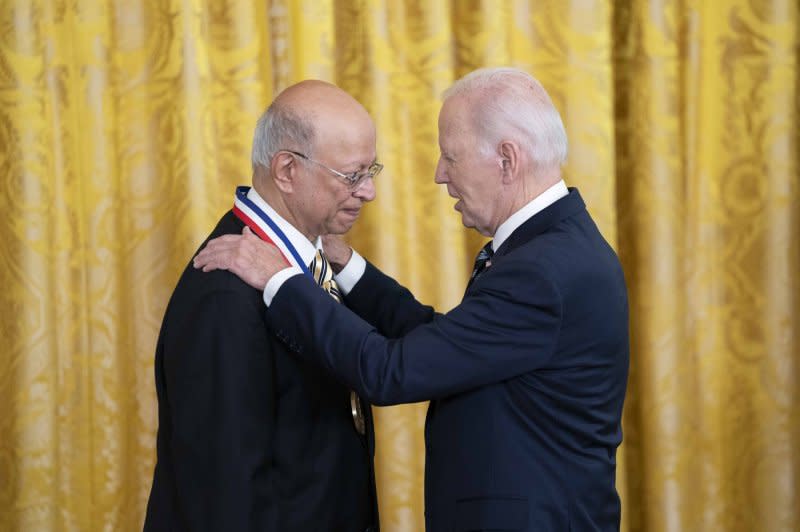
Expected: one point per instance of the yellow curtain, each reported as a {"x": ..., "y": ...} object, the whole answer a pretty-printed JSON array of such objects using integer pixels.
[{"x": 125, "y": 125}]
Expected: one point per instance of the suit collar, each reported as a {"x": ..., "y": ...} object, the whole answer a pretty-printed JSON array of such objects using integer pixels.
[
  {"x": 540, "y": 222},
  {"x": 539, "y": 203}
]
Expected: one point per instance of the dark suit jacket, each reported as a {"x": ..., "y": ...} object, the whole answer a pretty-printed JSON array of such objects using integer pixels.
[
  {"x": 527, "y": 375},
  {"x": 250, "y": 437}
]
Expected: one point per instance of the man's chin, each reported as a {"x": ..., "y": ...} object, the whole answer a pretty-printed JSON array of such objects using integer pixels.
[{"x": 341, "y": 227}]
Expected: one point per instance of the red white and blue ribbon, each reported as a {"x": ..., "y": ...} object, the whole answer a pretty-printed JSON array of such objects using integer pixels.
[{"x": 261, "y": 224}]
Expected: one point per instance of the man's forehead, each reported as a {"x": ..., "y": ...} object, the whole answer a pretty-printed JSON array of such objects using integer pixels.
[
  {"x": 454, "y": 123},
  {"x": 457, "y": 107}
]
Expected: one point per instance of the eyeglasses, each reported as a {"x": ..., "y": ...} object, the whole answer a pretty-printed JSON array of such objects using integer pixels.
[{"x": 354, "y": 179}]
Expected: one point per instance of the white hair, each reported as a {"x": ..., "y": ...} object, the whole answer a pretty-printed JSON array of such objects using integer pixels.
[
  {"x": 510, "y": 104},
  {"x": 279, "y": 128}
]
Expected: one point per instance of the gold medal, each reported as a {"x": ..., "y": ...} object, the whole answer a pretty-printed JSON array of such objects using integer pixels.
[{"x": 358, "y": 415}]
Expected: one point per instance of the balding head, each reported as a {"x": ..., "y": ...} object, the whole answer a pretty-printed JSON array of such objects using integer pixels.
[{"x": 302, "y": 117}]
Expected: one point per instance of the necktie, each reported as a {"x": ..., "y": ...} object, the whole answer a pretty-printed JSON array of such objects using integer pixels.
[
  {"x": 320, "y": 268},
  {"x": 482, "y": 261},
  {"x": 323, "y": 274}
]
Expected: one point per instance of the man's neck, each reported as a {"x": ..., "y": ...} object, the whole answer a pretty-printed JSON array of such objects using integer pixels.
[
  {"x": 534, "y": 187},
  {"x": 278, "y": 203},
  {"x": 525, "y": 191},
  {"x": 539, "y": 202}
]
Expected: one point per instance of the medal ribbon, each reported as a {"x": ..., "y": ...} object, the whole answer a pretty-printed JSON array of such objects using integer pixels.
[{"x": 256, "y": 219}]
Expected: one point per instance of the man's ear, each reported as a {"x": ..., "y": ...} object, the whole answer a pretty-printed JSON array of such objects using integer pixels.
[
  {"x": 509, "y": 152},
  {"x": 284, "y": 170}
]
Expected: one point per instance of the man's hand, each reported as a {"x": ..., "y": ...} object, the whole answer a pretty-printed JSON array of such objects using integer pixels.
[
  {"x": 247, "y": 256},
  {"x": 337, "y": 251}
]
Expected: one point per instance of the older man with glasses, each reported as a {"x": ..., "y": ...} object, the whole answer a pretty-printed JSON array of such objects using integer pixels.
[{"x": 250, "y": 437}]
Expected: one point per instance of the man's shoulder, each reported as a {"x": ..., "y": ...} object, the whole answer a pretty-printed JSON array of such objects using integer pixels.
[
  {"x": 195, "y": 287},
  {"x": 228, "y": 224},
  {"x": 573, "y": 246}
]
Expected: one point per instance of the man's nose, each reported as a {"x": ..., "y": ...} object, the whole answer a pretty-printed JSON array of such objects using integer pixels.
[
  {"x": 440, "y": 176},
  {"x": 365, "y": 190}
]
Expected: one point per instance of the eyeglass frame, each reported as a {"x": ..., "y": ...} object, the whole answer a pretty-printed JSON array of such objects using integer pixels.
[{"x": 354, "y": 179}]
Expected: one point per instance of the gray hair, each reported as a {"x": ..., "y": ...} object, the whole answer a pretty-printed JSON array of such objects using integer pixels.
[
  {"x": 279, "y": 128},
  {"x": 512, "y": 105}
]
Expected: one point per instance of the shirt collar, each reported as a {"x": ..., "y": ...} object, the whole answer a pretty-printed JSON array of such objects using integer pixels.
[
  {"x": 537, "y": 204},
  {"x": 304, "y": 247}
]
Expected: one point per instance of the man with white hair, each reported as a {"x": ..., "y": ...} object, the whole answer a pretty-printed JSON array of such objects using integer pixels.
[{"x": 527, "y": 375}]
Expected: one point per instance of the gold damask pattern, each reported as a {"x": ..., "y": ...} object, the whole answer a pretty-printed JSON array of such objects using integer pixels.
[{"x": 125, "y": 125}]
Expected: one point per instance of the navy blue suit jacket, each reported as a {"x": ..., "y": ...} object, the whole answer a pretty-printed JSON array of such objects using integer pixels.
[{"x": 526, "y": 376}]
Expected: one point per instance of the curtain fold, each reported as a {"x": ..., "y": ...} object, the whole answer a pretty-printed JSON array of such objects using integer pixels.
[{"x": 126, "y": 125}]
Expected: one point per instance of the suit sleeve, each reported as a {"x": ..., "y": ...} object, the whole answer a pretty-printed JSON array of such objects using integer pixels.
[
  {"x": 220, "y": 389},
  {"x": 385, "y": 304},
  {"x": 505, "y": 327}
]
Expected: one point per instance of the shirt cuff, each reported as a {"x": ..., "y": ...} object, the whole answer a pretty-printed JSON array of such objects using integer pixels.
[
  {"x": 277, "y": 280},
  {"x": 351, "y": 273}
]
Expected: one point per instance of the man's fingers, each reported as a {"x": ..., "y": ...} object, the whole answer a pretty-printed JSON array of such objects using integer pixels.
[
  {"x": 231, "y": 255},
  {"x": 224, "y": 239},
  {"x": 218, "y": 249},
  {"x": 245, "y": 255},
  {"x": 215, "y": 259},
  {"x": 202, "y": 257},
  {"x": 206, "y": 260}
]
